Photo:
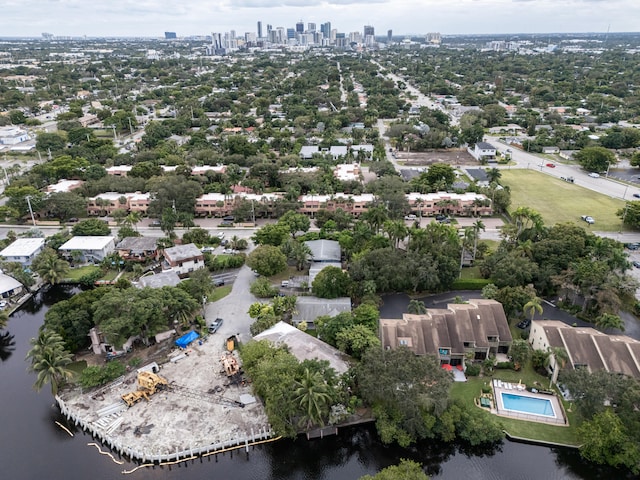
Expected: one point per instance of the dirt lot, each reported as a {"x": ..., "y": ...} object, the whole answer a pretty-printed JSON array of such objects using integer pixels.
[
  {"x": 198, "y": 409},
  {"x": 452, "y": 157}
]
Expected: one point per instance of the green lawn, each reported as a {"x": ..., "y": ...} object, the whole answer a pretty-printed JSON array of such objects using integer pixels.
[
  {"x": 220, "y": 292},
  {"x": 468, "y": 391},
  {"x": 76, "y": 274},
  {"x": 470, "y": 273},
  {"x": 559, "y": 201}
]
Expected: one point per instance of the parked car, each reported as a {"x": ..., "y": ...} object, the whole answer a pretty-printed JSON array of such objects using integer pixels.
[
  {"x": 226, "y": 223},
  {"x": 410, "y": 217},
  {"x": 636, "y": 263},
  {"x": 550, "y": 165},
  {"x": 632, "y": 246},
  {"x": 218, "y": 282},
  {"x": 215, "y": 325},
  {"x": 636, "y": 195},
  {"x": 588, "y": 219},
  {"x": 3, "y": 304},
  {"x": 155, "y": 223},
  {"x": 524, "y": 324},
  {"x": 220, "y": 235},
  {"x": 229, "y": 251},
  {"x": 594, "y": 175},
  {"x": 440, "y": 217},
  {"x": 207, "y": 249},
  {"x": 568, "y": 179}
]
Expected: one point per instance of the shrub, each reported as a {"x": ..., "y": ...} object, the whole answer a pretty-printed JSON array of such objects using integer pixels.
[
  {"x": 262, "y": 288},
  {"x": 486, "y": 389},
  {"x": 470, "y": 283},
  {"x": 505, "y": 366},
  {"x": 222, "y": 262},
  {"x": 473, "y": 370},
  {"x": 94, "y": 376},
  {"x": 90, "y": 279}
]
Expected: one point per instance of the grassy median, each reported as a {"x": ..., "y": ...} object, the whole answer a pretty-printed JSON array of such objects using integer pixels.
[{"x": 559, "y": 201}]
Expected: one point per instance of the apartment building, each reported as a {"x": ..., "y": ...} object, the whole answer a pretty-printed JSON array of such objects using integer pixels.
[{"x": 459, "y": 204}]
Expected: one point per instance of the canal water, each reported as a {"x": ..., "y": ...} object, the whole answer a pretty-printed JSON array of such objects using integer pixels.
[{"x": 33, "y": 447}]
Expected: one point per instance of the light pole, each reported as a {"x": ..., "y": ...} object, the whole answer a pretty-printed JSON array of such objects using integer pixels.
[{"x": 28, "y": 197}]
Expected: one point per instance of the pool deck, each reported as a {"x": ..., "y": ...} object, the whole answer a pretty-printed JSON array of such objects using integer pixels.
[{"x": 513, "y": 388}]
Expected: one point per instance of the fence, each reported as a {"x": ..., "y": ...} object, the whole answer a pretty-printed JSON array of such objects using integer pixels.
[{"x": 144, "y": 456}]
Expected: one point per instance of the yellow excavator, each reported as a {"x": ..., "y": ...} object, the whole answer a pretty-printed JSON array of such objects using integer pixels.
[{"x": 148, "y": 384}]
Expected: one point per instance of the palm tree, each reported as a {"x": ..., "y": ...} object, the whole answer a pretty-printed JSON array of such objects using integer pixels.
[
  {"x": 301, "y": 254},
  {"x": 560, "y": 358},
  {"x": 7, "y": 345},
  {"x": 533, "y": 306},
  {"x": 50, "y": 267},
  {"x": 477, "y": 226},
  {"x": 417, "y": 307},
  {"x": 313, "y": 395},
  {"x": 4, "y": 318},
  {"x": 494, "y": 175},
  {"x": 133, "y": 219},
  {"x": 396, "y": 231},
  {"x": 49, "y": 360},
  {"x": 375, "y": 217}
]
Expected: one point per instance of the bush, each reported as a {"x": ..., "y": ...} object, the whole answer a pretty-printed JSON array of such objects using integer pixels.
[
  {"x": 505, "y": 366},
  {"x": 486, "y": 389},
  {"x": 222, "y": 262},
  {"x": 473, "y": 370},
  {"x": 470, "y": 283},
  {"x": 262, "y": 288},
  {"x": 90, "y": 279},
  {"x": 94, "y": 376}
]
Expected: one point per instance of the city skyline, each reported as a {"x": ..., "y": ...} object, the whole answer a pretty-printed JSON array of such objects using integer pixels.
[{"x": 151, "y": 18}]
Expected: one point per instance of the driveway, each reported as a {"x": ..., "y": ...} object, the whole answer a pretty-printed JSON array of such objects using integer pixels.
[{"x": 234, "y": 307}]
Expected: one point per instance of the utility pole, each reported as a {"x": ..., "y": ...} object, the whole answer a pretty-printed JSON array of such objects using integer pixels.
[
  {"x": 28, "y": 197},
  {"x": 253, "y": 212}
]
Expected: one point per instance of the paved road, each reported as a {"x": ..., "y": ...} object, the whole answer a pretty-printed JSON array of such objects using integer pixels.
[{"x": 234, "y": 307}]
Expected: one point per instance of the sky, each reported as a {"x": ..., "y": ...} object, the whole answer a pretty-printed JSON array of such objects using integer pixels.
[{"x": 201, "y": 17}]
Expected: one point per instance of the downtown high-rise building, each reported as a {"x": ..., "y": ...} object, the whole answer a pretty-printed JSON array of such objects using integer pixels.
[
  {"x": 369, "y": 30},
  {"x": 259, "y": 29},
  {"x": 389, "y": 35},
  {"x": 300, "y": 27},
  {"x": 325, "y": 28},
  {"x": 311, "y": 27}
]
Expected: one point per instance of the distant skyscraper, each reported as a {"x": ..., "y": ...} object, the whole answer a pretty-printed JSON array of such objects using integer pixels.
[
  {"x": 291, "y": 33},
  {"x": 300, "y": 27},
  {"x": 170, "y": 35},
  {"x": 311, "y": 27},
  {"x": 369, "y": 30},
  {"x": 389, "y": 35},
  {"x": 259, "y": 29},
  {"x": 325, "y": 28}
]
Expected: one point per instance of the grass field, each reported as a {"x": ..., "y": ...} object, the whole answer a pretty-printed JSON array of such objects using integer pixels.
[
  {"x": 76, "y": 274},
  {"x": 559, "y": 201},
  {"x": 220, "y": 292}
]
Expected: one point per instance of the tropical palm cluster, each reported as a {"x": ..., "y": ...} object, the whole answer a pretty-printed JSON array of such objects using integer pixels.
[{"x": 49, "y": 360}]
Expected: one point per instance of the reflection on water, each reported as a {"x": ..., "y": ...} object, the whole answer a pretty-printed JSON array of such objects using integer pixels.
[
  {"x": 7, "y": 345},
  {"x": 32, "y": 446}
]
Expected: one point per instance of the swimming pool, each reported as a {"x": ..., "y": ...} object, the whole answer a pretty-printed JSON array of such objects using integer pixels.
[{"x": 524, "y": 404}]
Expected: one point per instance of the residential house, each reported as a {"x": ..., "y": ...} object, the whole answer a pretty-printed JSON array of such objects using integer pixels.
[
  {"x": 324, "y": 251},
  {"x": 64, "y": 186},
  {"x": 23, "y": 250},
  {"x": 484, "y": 152},
  {"x": 308, "y": 308},
  {"x": 586, "y": 348},
  {"x": 89, "y": 249},
  {"x": 13, "y": 135},
  {"x": 9, "y": 286},
  {"x": 478, "y": 328},
  {"x": 305, "y": 347},
  {"x": 138, "y": 249},
  {"x": 347, "y": 172},
  {"x": 159, "y": 280},
  {"x": 119, "y": 170},
  {"x": 550, "y": 150},
  {"x": 308, "y": 151},
  {"x": 183, "y": 259}
]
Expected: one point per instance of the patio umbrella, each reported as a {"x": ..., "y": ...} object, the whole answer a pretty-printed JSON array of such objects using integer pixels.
[{"x": 447, "y": 366}]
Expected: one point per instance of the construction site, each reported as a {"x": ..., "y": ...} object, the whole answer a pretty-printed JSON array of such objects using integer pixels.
[{"x": 193, "y": 401}]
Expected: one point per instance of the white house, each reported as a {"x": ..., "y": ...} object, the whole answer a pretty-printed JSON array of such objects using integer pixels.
[
  {"x": 9, "y": 286},
  {"x": 484, "y": 151},
  {"x": 91, "y": 249},
  {"x": 13, "y": 135},
  {"x": 23, "y": 250},
  {"x": 183, "y": 259}
]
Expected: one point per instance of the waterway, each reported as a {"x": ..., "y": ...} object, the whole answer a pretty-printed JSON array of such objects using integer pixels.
[{"x": 33, "y": 447}]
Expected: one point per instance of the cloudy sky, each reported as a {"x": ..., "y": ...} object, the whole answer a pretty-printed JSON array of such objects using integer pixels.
[{"x": 200, "y": 17}]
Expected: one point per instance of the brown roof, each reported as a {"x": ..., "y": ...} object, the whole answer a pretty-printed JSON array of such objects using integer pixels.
[
  {"x": 450, "y": 328},
  {"x": 594, "y": 349}
]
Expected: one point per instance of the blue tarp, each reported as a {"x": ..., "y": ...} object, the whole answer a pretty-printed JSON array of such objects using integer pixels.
[{"x": 186, "y": 339}]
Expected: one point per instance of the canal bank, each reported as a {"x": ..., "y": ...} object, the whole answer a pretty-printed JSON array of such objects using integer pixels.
[{"x": 34, "y": 447}]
